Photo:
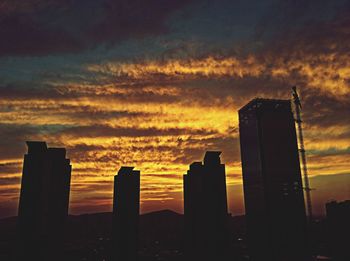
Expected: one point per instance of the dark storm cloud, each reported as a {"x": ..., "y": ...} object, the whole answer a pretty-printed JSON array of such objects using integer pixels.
[
  {"x": 87, "y": 112},
  {"x": 309, "y": 27},
  {"x": 55, "y": 26},
  {"x": 14, "y": 138},
  {"x": 135, "y": 92},
  {"x": 286, "y": 21},
  {"x": 325, "y": 111},
  {"x": 26, "y": 29},
  {"x": 82, "y": 148},
  {"x": 106, "y": 131},
  {"x": 189, "y": 151},
  {"x": 136, "y": 17},
  {"x": 25, "y": 92}
]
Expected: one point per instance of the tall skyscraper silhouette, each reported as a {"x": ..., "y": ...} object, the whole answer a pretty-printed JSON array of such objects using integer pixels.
[
  {"x": 273, "y": 193},
  {"x": 205, "y": 209},
  {"x": 338, "y": 223},
  {"x": 126, "y": 208},
  {"x": 44, "y": 200}
]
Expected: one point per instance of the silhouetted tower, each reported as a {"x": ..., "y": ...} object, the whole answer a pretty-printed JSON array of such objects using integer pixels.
[
  {"x": 44, "y": 201},
  {"x": 273, "y": 193},
  {"x": 205, "y": 209},
  {"x": 298, "y": 120},
  {"x": 126, "y": 207},
  {"x": 338, "y": 224}
]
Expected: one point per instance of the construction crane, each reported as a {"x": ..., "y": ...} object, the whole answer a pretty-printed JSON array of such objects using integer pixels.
[{"x": 298, "y": 120}]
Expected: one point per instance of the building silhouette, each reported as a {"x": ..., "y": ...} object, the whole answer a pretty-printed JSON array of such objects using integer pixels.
[
  {"x": 44, "y": 200},
  {"x": 338, "y": 223},
  {"x": 273, "y": 192},
  {"x": 205, "y": 209},
  {"x": 126, "y": 207}
]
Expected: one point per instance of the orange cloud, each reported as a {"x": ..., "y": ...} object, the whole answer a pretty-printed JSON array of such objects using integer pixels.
[{"x": 161, "y": 128}]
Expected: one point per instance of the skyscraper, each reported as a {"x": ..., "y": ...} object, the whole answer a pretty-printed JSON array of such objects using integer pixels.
[
  {"x": 126, "y": 207},
  {"x": 205, "y": 209},
  {"x": 273, "y": 193},
  {"x": 338, "y": 223},
  {"x": 44, "y": 200}
]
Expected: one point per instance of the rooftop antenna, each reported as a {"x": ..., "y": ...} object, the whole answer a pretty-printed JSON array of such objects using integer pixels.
[{"x": 298, "y": 120}]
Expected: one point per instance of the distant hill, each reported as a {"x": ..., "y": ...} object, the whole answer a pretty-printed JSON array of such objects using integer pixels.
[
  {"x": 164, "y": 224},
  {"x": 97, "y": 223}
]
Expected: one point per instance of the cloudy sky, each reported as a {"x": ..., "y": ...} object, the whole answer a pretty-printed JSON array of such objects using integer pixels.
[{"x": 154, "y": 84}]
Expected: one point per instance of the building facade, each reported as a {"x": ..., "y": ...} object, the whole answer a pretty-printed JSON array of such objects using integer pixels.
[
  {"x": 205, "y": 209},
  {"x": 338, "y": 226},
  {"x": 44, "y": 200},
  {"x": 126, "y": 208},
  {"x": 273, "y": 191}
]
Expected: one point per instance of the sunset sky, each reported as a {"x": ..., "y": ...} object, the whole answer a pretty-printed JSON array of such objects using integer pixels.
[{"x": 155, "y": 83}]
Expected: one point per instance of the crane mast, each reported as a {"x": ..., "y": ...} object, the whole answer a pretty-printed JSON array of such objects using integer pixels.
[{"x": 298, "y": 120}]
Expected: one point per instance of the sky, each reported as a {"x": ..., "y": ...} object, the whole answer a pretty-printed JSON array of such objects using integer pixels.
[{"x": 154, "y": 84}]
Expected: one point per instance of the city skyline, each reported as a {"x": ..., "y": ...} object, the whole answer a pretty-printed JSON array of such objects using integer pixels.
[
  {"x": 157, "y": 91},
  {"x": 236, "y": 196}
]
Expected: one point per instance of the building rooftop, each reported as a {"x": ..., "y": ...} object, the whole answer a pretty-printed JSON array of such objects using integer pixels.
[
  {"x": 195, "y": 166},
  {"x": 36, "y": 146},
  {"x": 258, "y": 102},
  {"x": 212, "y": 157},
  {"x": 126, "y": 170}
]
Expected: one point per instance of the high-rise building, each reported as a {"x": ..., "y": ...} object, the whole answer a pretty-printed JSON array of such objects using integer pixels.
[
  {"x": 338, "y": 224},
  {"x": 205, "y": 209},
  {"x": 273, "y": 192},
  {"x": 44, "y": 200},
  {"x": 126, "y": 208}
]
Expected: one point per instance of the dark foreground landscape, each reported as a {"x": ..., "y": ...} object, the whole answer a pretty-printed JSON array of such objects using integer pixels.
[{"x": 161, "y": 237}]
